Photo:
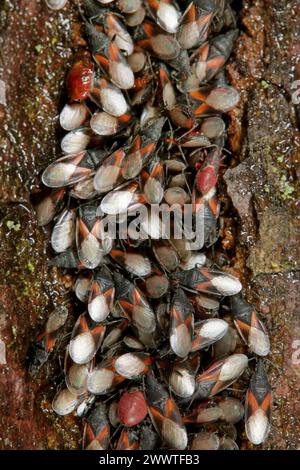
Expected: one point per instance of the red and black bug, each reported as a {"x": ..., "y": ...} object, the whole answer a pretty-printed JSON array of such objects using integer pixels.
[
  {"x": 48, "y": 206},
  {"x": 152, "y": 177},
  {"x": 46, "y": 340},
  {"x": 124, "y": 198},
  {"x": 258, "y": 406},
  {"x": 113, "y": 62},
  {"x": 180, "y": 375},
  {"x": 71, "y": 169},
  {"x": 208, "y": 173},
  {"x": 156, "y": 284},
  {"x": 133, "y": 261},
  {"x": 128, "y": 440},
  {"x": 250, "y": 326},
  {"x": 178, "y": 110},
  {"x": 104, "y": 124},
  {"x": 206, "y": 210},
  {"x": 181, "y": 324},
  {"x": 114, "y": 334},
  {"x": 74, "y": 116},
  {"x": 104, "y": 378},
  {"x": 226, "y": 409},
  {"x": 141, "y": 149},
  {"x": 134, "y": 305},
  {"x": 209, "y": 100},
  {"x": 165, "y": 13},
  {"x": 101, "y": 296},
  {"x": 88, "y": 236},
  {"x": 80, "y": 78},
  {"x": 117, "y": 33},
  {"x": 208, "y": 281},
  {"x": 87, "y": 337},
  {"x": 65, "y": 402},
  {"x": 220, "y": 375},
  {"x": 133, "y": 365},
  {"x": 211, "y": 56},
  {"x": 132, "y": 408},
  {"x": 158, "y": 43},
  {"x": 76, "y": 375},
  {"x": 165, "y": 415},
  {"x": 109, "y": 174},
  {"x": 208, "y": 332},
  {"x": 96, "y": 434},
  {"x": 55, "y": 322},
  {"x": 205, "y": 441},
  {"x": 109, "y": 97},
  {"x": 194, "y": 26}
]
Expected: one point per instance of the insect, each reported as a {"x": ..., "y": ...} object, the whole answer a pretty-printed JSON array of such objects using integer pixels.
[
  {"x": 132, "y": 408},
  {"x": 132, "y": 261},
  {"x": 63, "y": 233},
  {"x": 258, "y": 406},
  {"x": 80, "y": 78},
  {"x": 104, "y": 378},
  {"x": 210, "y": 282},
  {"x": 205, "y": 441},
  {"x": 128, "y": 440},
  {"x": 134, "y": 305},
  {"x": 141, "y": 149},
  {"x": 87, "y": 337},
  {"x": 207, "y": 175},
  {"x": 166, "y": 14},
  {"x": 73, "y": 116},
  {"x": 108, "y": 176},
  {"x": 109, "y": 97},
  {"x": 96, "y": 434},
  {"x": 194, "y": 26},
  {"x": 101, "y": 296},
  {"x": 48, "y": 206},
  {"x": 226, "y": 409},
  {"x": 71, "y": 169},
  {"x": 208, "y": 332},
  {"x": 182, "y": 324},
  {"x": 181, "y": 376},
  {"x": 220, "y": 375},
  {"x": 161, "y": 45},
  {"x": 133, "y": 365},
  {"x": 211, "y": 56},
  {"x": 46, "y": 340},
  {"x": 153, "y": 181},
  {"x": 88, "y": 236},
  {"x": 115, "y": 64},
  {"x": 135, "y": 202},
  {"x": 209, "y": 100},
  {"x": 65, "y": 402},
  {"x": 250, "y": 326},
  {"x": 122, "y": 199},
  {"x": 165, "y": 415}
]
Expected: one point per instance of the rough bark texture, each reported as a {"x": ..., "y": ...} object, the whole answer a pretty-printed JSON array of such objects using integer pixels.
[
  {"x": 36, "y": 53},
  {"x": 261, "y": 182},
  {"x": 265, "y": 139}
]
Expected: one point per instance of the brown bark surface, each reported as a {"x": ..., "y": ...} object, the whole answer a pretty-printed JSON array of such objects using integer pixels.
[
  {"x": 263, "y": 187},
  {"x": 37, "y": 46}
]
